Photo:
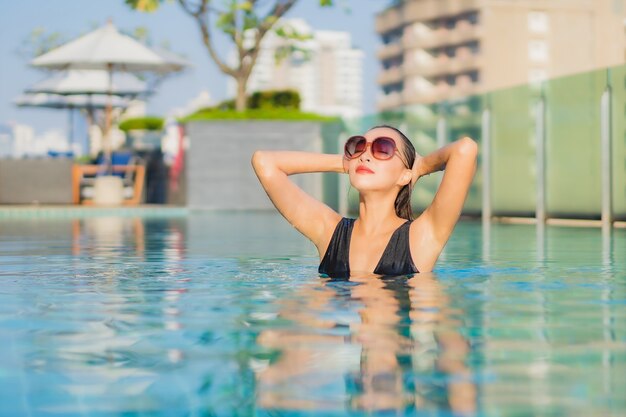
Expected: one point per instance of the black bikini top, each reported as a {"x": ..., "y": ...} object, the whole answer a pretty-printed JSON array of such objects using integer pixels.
[{"x": 396, "y": 259}]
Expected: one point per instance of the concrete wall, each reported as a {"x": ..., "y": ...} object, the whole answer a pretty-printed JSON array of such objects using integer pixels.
[
  {"x": 43, "y": 181},
  {"x": 219, "y": 172}
]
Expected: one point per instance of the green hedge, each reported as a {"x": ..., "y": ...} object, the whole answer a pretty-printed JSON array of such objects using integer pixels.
[
  {"x": 256, "y": 114},
  {"x": 142, "y": 123},
  {"x": 274, "y": 99},
  {"x": 270, "y": 99}
]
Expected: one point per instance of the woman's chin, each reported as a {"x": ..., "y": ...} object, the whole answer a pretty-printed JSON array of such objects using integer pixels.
[{"x": 367, "y": 184}]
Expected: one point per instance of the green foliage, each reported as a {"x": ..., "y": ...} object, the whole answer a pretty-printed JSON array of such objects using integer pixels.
[
  {"x": 225, "y": 105},
  {"x": 293, "y": 43},
  {"x": 142, "y": 123},
  {"x": 234, "y": 18},
  {"x": 257, "y": 114},
  {"x": 142, "y": 34},
  {"x": 149, "y": 6},
  {"x": 274, "y": 99},
  {"x": 39, "y": 42},
  {"x": 270, "y": 99}
]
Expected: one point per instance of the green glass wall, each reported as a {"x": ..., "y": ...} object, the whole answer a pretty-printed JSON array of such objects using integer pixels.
[
  {"x": 573, "y": 187},
  {"x": 617, "y": 79},
  {"x": 513, "y": 150},
  {"x": 572, "y": 144}
]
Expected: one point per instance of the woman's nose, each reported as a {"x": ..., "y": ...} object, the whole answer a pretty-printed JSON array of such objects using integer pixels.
[{"x": 365, "y": 156}]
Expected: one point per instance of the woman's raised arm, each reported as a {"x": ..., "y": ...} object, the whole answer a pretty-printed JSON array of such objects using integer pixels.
[
  {"x": 311, "y": 217},
  {"x": 458, "y": 159}
]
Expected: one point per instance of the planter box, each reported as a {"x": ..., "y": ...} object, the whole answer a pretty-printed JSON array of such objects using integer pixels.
[
  {"x": 36, "y": 181},
  {"x": 219, "y": 172}
]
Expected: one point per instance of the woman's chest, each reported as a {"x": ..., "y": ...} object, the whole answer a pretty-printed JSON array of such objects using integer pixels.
[{"x": 364, "y": 254}]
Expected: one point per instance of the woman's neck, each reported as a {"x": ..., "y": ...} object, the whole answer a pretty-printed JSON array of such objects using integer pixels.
[{"x": 377, "y": 214}]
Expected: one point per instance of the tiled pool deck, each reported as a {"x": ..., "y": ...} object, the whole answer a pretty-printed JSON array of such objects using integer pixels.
[
  {"x": 31, "y": 211},
  {"x": 66, "y": 211}
]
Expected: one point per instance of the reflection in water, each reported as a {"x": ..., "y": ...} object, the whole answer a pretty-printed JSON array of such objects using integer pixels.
[
  {"x": 225, "y": 315},
  {"x": 369, "y": 344},
  {"x": 103, "y": 286}
]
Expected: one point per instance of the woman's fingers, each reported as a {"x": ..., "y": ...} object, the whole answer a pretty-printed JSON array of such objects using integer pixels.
[{"x": 416, "y": 170}]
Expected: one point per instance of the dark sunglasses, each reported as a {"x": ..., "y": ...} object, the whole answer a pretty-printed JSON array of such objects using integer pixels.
[{"x": 382, "y": 148}]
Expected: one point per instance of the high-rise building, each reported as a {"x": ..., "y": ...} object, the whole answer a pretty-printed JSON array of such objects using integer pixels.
[
  {"x": 325, "y": 69},
  {"x": 434, "y": 50}
]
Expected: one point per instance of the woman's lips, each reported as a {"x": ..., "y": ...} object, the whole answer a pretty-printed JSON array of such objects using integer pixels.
[{"x": 363, "y": 170}]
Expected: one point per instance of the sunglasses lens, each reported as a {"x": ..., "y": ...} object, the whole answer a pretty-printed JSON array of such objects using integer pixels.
[
  {"x": 355, "y": 146},
  {"x": 383, "y": 148}
]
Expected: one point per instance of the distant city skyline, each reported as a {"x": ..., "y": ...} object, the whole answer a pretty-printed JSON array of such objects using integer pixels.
[
  {"x": 436, "y": 50},
  {"x": 327, "y": 71},
  {"x": 71, "y": 18}
]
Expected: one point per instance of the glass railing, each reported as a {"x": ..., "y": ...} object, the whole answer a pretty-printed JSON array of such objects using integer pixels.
[{"x": 563, "y": 115}]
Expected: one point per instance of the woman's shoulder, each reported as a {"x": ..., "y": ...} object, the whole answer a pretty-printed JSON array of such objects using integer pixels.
[
  {"x": 343, "y": 223},
  {"x": 424, "y": 248}
]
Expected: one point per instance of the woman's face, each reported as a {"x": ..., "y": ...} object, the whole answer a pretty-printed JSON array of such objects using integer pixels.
[{"x": 370, "y": 174}]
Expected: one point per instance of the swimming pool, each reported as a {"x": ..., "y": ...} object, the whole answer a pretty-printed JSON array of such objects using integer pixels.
[{"x": 223, "y": 314}]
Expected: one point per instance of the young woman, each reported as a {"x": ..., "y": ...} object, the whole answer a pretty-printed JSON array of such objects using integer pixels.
[{"x": 383, "y": 166}]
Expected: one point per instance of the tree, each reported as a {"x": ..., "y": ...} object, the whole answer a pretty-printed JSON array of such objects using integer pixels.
[{"x": 235, "y": 18}]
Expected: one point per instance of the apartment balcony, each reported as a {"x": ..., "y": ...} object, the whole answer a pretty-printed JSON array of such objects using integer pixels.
[
  {"x": 433, "y": 39},
  {"x": 464, "y": 87},
  {"x": 388, "y": 20},
  {"x": 465, "y": 31},
  {"x": 465, "y": 62},
  {"x": 390, "y": 50},
  {"x": 390, "y": 101},
  {"x": 443, "y": 65},
  {"x": 411, "y": 41},
  {"x": 391, "y": 76},
  {"x": 414, "y": 11},
  {"x": 438, "y": 65},
  {"x": 437, "y": 92},
  {"x": 442, "y": 91},
  {"x": 423, "y": 97}
]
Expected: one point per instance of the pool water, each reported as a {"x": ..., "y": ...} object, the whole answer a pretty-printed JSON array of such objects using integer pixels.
[{"x": 224, "y": 314}]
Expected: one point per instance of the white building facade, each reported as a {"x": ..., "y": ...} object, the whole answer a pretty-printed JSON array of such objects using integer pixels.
[{"x": 325, "y": 69}]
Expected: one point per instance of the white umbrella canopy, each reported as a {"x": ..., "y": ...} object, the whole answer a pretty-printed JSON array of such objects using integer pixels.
[
  {"x": 174, "y": 60},
  {"x": 90, "y": 82},
  {"x": 57, "y": 101},
  {"x": 79, "y": 101},
  {"x": 106, "y": 48}
]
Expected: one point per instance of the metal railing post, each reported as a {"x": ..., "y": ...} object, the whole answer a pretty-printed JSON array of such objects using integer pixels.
[
  {"x": 605, "y": 159},
  {"x": 540, "y": 141},
  {"x": 442, "y": 132},
  {"x": 486, "y": 165},
  {"x": 343, "y": 181}
]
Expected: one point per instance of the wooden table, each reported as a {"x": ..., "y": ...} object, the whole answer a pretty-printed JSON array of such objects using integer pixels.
[{"x": 80, "y": 171}]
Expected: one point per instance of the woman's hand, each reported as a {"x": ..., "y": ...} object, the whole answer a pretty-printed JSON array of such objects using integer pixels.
[{"x": 418, "y": 169}]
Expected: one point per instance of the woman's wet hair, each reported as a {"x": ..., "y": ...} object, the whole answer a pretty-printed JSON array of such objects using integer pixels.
[{"x": 402, "y": 204}]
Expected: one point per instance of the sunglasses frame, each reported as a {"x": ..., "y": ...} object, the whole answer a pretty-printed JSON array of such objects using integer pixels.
[{"x": 370, "y": 145}]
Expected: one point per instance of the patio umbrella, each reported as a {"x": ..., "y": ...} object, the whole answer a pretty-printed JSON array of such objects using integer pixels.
[
  {"x": 90, "y": 82},
  {"x": 107, "y": 49},
  {"x": 83, "y": 101},
  {"x": 57, "y": 101},
  {"x": 86, "y": 83}
]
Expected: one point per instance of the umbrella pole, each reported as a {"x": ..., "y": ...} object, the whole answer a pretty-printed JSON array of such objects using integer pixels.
[
  {"x": 71, "y": 129},
  {"x": 107, "y": 126}
]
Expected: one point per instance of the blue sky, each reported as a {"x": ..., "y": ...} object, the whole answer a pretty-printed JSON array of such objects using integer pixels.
[{"x": 74, "y": 17}]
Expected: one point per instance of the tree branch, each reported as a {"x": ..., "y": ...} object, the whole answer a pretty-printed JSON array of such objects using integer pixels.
[
  {"x": 200, "y": 15},
  {"x": 204, "y": 5},
  {"x": 277, "y": 12}
]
